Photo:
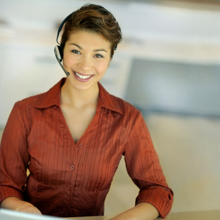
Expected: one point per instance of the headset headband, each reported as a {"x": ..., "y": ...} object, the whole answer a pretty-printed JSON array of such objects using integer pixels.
[{"x": 61, "y": 26}]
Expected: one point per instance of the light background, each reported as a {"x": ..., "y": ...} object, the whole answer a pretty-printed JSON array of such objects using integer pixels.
[{"x": 167, "y": 66}]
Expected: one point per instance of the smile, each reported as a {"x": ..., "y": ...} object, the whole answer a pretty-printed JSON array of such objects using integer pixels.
[{"x": 81, "y": 76}]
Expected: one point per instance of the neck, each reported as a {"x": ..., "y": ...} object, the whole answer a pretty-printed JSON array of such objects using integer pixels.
[{"x": 79, "y": 98}]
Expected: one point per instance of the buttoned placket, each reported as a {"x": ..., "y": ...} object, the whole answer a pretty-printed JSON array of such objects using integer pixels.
[
  {"x": 71, "y": 158},
  {"x": 75, "y": 153}
]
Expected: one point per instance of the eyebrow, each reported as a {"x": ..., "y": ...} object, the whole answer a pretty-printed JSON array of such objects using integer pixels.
[{"x": 96, "y": 50}]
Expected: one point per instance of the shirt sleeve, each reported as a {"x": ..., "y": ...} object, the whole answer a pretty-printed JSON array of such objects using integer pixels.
[
  {"x": 144, "y": 168},
  {"x": 14, "y": 157}
]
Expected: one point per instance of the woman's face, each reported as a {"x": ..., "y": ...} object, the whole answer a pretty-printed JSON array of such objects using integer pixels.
[{"x": 86, "y": 57}]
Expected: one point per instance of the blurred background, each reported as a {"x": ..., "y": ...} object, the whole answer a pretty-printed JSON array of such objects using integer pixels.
[{"x": 168, "y": 66}]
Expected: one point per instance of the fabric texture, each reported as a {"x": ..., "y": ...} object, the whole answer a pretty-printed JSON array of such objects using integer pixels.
[{"x": 73, "y": 179}]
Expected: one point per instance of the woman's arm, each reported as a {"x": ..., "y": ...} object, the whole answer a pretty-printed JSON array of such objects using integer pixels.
[
  {"x": 16, "y": 204},
  {"x": 14, "y": 158},
  {"x": 142, "y": 211},
  {"x": 143, "y": 166}
]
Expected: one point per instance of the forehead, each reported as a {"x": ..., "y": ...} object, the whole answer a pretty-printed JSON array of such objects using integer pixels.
[{"x": 88, "y": 38}]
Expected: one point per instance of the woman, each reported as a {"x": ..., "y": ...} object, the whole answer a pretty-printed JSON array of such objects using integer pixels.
[{"x": 73, "y": 136}]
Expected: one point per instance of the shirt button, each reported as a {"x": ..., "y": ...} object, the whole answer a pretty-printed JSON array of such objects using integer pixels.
[
  {"x": 68, "y": 187},
  {"x": 72, "y": 167},
  {"x": 80, "y": 145}
]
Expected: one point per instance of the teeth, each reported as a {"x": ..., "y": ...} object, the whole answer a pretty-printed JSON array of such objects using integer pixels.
[{"x": 81, "y": 77}]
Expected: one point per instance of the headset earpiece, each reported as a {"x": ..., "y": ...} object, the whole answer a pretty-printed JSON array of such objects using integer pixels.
[{"x": 59, "y": 55}]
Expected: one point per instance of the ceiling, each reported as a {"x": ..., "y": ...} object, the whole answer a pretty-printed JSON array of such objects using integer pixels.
[{"x": 170, "y": 20}]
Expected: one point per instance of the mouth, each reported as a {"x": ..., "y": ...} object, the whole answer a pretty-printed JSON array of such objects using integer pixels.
[{"x": 81, "y": 77}]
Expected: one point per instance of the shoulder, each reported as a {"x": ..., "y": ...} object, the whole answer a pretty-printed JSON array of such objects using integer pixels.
[
  {"x": 25, "y": 108},
  {"x": 125, "y": 107},
  {"x": 115, "y": 104},
  {"x": 29, "y": 101},
  {"x": 43, "y": 100}
]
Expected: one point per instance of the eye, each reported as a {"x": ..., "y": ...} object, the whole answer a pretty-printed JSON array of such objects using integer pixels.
[
  {"x": 98, "y": 56},
  {"x": 75, "y": 51}
]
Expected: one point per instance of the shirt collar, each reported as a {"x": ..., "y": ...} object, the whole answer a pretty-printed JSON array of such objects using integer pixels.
[
  {"x": 108, "y": 101},
  {"x": 52, "y": 97}
]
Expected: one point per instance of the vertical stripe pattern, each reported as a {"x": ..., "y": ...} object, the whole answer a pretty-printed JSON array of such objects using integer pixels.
[{"x": 73, "y": 179}]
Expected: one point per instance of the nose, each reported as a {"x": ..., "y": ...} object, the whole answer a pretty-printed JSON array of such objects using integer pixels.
[{"x": 85, "y": 63}]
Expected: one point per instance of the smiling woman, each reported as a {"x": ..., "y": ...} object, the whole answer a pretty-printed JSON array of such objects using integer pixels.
[
  {"x": 86, "y": 61},
  {"x": 73, "y": 137}
]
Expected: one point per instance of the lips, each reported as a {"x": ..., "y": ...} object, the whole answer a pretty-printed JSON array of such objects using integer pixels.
[{"x": 82, "y": 78}]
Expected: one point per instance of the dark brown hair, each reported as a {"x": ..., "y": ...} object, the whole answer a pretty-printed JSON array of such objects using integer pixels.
[{"x": 94, "y": 18}]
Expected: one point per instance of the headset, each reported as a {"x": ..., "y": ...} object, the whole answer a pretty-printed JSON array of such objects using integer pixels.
[{"x": 58, "y": 50}]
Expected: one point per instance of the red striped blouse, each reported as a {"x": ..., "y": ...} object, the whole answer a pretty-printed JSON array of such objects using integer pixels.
[{"x": 68, "y": 179}]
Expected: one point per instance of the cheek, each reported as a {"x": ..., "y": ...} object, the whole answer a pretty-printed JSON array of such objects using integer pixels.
[
  {"x": 102, "y": 71},
  {"x": 103, "y": 68},
  {"x": 67, "y": 61}
]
